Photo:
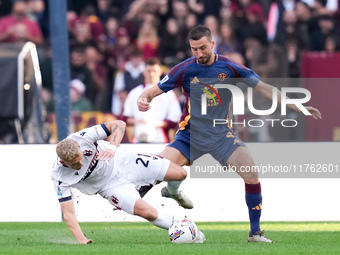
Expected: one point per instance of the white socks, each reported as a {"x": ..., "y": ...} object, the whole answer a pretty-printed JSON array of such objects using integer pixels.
[
  {"x": 173, "y": 187},
  {"x": 164, "y": 220}
]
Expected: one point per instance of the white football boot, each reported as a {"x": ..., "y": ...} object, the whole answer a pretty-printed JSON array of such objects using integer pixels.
[
  {"x": 181, "y": 198},
  {"x": 259, "y": 237}
]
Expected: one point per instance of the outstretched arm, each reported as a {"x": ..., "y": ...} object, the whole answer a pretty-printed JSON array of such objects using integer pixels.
[
  {"x": 72, "y": 223},
  {"x": 117, "y": 130},
  {"x": 267, "y": 91},
  {"x": 143, "y": 102}
]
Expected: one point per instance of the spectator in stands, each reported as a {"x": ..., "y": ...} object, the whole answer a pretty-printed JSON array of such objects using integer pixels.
[
  {"x": 293, "y": 57},
  {"x": 106, "y": 9},
  {"x": 89, "y": 16},
  {"x": 180, "y": 11},
  {"x": 37, "y": 10},
  {"x": 228, "y": 43},
  {"x": 253, "y": 25},
  {"x": 288, "y": 28},
  {"x": 323, "y": 7},
  {"x": 212, "y": 23},
  {"x": 253, "y": 50},
  {"x": 319, "y": 35},
  {"x": 127, "y": 79},
  {"x": 122, "y": 51},
  {"x": 331, "y": 44},
  {"x": 226, "y": 12},
  {"x": 172, "y": 47},
  {"x": 111, "y": 26},
  {"x": 241, "y": 7},
  {"x": 17, "y": 27},
  {"x": 303, "y": 13},
  {"x": 79, "y": 103},
  {"x": 80, "y": 71},
  {"x": 190, "y": 22},
  {"x": 71, "y": 17},
  {"x": 197, "y": 7},
  {"x": 147, "y": 41},
  {"x": 152, "y": 126},
  {"x": 275, "y": 16},
  {"x": 94, "y": 62},
  {"x": 204, "y": 8},
  {"x": 139, "y": 11}
]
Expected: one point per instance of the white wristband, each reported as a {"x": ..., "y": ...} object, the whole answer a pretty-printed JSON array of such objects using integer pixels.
[{"x": 112, "y": 147}]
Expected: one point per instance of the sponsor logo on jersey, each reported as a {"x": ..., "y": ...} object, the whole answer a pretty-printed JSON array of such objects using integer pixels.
[
  {"x": 82, "y": 133},
  {"x": 164, "y": 79},
  {"x": 211, "y": 97}
]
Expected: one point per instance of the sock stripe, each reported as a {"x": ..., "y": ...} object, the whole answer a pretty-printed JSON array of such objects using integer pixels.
[{"x": 253, "y": 188}]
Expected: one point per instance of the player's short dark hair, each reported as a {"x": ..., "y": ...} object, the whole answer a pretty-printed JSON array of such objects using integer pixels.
[
  {"x": 199, "y": 32},
  {"x": 152, "y": 62}
]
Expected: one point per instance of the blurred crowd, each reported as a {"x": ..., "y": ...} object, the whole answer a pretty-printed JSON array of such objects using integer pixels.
[{"x": 110, "y": 40}]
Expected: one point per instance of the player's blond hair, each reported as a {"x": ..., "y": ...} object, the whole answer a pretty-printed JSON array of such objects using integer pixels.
[{"x": 67, "y": 149}]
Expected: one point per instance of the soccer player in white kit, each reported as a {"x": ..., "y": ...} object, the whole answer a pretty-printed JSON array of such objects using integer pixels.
[{"x": 94, "y": 166}]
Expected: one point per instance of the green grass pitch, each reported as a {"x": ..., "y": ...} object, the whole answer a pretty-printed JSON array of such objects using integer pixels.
[{"x": 144, "y": 238}]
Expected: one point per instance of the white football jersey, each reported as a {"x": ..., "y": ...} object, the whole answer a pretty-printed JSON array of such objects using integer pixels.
[{"x": 94, "y": 173}]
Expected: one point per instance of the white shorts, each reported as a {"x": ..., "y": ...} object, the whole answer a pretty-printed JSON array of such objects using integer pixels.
[{"x": 137, "y": 169}]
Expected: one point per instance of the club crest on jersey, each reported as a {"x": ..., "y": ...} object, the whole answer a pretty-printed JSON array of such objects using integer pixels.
[
  {"x": 87, "y": 153},
  {"x": 114, "y": 199},
  {"x": 221, "y": 76}
]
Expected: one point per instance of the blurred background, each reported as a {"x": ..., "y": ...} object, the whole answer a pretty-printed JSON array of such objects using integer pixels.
[{"x": 288, "y": 43}]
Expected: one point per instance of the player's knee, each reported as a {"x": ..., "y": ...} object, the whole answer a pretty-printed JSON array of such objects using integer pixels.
[
  {"x": 183, "y": 174},
  {"x": 253, "y": 180}
]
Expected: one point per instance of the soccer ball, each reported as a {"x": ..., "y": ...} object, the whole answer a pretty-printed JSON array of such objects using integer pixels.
[{"x": 184, "y": 231}]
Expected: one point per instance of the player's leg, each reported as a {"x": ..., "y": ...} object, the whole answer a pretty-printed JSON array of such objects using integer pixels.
[
  {"x": 242, "y": 161},
  {"x": 156, "y": 217},
  {"x": 174, "y": 154},
  {"x": 123, "y": 195},
  {"x": 175, "y": 173},
  {"x": 159, "y": 218}
]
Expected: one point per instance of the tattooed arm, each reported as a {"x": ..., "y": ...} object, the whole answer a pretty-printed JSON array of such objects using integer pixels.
[{"x": 117, "y": 130}]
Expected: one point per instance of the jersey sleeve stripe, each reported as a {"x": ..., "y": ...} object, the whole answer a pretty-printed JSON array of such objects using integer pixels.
[
  {"x": 236, "y": 73},
  {"x": 179, "y": 66},
  {"x": 233, "y": 62},
  {"x": 64, "y": 199},
  {"x": 105, "y": 129}
]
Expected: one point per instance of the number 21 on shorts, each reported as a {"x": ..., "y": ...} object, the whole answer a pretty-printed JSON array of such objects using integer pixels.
[{"x": 145, "y": 159}]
